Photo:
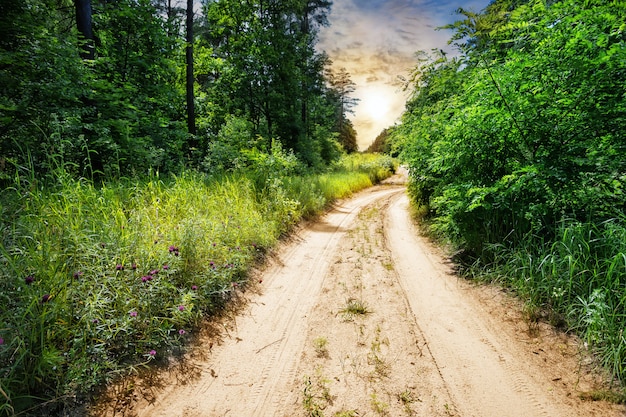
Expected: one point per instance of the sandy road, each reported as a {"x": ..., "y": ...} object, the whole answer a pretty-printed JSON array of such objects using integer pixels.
[{"x": 425, "y": 342}]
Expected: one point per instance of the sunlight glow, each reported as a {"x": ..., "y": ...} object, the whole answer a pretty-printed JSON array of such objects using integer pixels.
[{"x": 375, "y": 104}]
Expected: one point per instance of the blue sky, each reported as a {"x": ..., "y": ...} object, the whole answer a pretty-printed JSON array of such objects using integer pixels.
[{"x": 376, "y": 41}]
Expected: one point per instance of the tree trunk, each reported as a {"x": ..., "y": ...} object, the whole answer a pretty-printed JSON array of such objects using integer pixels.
[
  {"x": 191, "y": 115},
  {"x": 83, "y": 24}
]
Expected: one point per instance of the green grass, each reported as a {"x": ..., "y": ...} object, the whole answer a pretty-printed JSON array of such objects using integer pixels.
[
  {"x": 97, "y": 280},
  {"x": 576, "y": 281}
]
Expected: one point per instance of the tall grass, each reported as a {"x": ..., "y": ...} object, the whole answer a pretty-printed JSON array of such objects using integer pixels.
[
  {"x": 579, "y": 279},
  {"x": 97, "y": 280}
]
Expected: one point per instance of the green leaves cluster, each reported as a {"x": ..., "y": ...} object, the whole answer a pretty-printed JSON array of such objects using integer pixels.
[
  {"x": 518, "y": 143},
  {"x": 525, "y": 128}
]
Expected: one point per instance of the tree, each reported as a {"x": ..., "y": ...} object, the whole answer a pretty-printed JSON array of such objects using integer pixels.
[
  {"x": 83, "y": 23},
  {"x": 191, "y": 115},
  {"x": 342, "y": 87}
]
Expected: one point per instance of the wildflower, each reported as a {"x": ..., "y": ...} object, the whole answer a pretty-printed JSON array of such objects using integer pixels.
[
  {"x": 166, "y": 267},
  {"x": 119, "y": 267},
  {"x": 181, "y": 332},
  {"x": 194, "y": 287},
  {"x": 181, "y": 308},
  {"x": 212, "y": 264},
  {"x": 29, "y": 279},
  {"x": 2, "y": 340},
  {"x": 45, "y": 298},
  {"x": 95, "y": 321},
  {"x": 77, "y": 274},
  {"x": 152, "y": 353},
  {"x": 133, "y": 314},
  {"x": 154, "y": 272},
  {"x": 145, "y": 278},
  {"x": 133, "y": 266},
  {"x": 174, "y": 250}
]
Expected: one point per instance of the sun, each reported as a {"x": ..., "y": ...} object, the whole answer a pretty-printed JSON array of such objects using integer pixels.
[{"x": 375, "y": 104}]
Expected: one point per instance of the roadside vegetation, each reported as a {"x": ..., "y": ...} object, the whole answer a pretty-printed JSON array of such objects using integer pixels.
[
  {"x": 98, "y": 279},
  {"x": 517, "y": 155}
]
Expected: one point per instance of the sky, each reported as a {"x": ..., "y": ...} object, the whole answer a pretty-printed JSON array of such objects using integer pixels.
[{"x": 376, "y": 41}]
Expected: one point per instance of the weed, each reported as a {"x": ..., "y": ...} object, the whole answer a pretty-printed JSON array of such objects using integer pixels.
[
  {"x": 354, "y": 308},
  {"x": 407, "y": 398},
  {"x": 316, "y": 395},
  {"x": 381, "y": 408},
  {"x": 375, "y": 357},
  {"x": 321, "y": 347},
  {"x": 604, "y": 395},
  {"x": 347, "y": 413}
]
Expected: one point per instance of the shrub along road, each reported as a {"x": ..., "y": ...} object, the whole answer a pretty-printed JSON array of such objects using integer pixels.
[{"x": 358, "y": 315}]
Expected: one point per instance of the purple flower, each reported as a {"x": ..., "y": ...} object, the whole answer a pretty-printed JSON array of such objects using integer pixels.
[
  {"x": 133, "y": 314},
  {"x": 133, "y": 266},
  {"x": 145, "y": 278},
  {"x": 95, "y": 321},
  {"x": 152, "y": 353},
  {"x": 45, "y": 298},
  {"x": 78, "y": 274},
  {"x": 194, "y": 287},
  {"x": 181, "y": 332},
  {"x": 29, "y": 279},
  {"x": 154, "y": 272},
  {"x": 212, "y": 264},
  {"x": 2, "y": 340},
  {"x": 166, "y": 267},
  {"x": 119, "y": 267},
  {"x": 174, "y": 249},
  {"x": 181, "y": 308}
]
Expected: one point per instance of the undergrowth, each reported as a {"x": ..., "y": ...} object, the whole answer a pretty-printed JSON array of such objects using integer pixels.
[
  {"x": 98, "y": 279},
  {"x": 576, "y": 281}
]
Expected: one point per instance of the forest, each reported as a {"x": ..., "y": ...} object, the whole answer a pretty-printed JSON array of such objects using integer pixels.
[
  {"x": 151, "y": 153},
  {"x": 517, "y": 155}
]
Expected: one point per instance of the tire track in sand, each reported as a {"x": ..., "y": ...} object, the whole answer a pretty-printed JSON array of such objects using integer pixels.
[{"x": 485, "y": 376}]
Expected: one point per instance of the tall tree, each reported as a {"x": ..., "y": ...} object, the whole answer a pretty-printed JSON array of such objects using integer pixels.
[
  {"x": 191, "y": 114},
  {"x": 83, "y": 23},
  {"x": 343, "y": 86}
]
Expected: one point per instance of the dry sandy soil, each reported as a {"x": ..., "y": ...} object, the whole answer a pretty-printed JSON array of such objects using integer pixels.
[{"x": 357, "y": 315}]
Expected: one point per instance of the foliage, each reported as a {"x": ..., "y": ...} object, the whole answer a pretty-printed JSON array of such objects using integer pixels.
[
  {"x": 98, "y": 280},
  {"x": 122, "y": 111},
  {"x": 519, "y": 142}
]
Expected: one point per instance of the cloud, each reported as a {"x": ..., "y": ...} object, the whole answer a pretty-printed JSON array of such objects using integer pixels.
[{"x": 376, "y": 41}]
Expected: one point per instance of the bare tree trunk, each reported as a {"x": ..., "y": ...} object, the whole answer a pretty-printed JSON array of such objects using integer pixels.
[
  {"x": 191, "y": 114},
  {"x": 83, "y": 24}
]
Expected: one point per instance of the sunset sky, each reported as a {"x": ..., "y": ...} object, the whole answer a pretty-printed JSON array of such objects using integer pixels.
[{"x": 376, "y": 41}]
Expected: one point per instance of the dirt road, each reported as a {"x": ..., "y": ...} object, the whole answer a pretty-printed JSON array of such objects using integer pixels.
[{"x": 359, "y": 316}]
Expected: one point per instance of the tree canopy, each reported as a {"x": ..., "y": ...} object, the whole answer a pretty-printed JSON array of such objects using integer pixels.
[{"x": 100, "y": 87}]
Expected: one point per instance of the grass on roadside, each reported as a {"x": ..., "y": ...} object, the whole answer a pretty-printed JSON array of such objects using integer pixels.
[{"x": 97, "y": 280}]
